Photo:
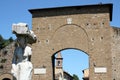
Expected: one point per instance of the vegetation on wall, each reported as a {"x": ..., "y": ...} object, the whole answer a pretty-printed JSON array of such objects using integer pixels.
[
  {"x": 5, "y": 42},
  {"x": 75, "y": 77}
]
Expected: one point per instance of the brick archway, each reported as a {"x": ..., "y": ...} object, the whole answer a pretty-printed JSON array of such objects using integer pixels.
[
  {"x": 83, "y": 27},
  {"x": 68, "y": 36},
  {"x": 6, "y": 77}
]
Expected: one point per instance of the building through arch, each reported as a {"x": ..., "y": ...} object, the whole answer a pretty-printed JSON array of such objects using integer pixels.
[{"x": 70, "y": 62}]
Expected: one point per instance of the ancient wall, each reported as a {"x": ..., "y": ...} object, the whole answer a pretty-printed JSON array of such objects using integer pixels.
[
  {"x": 116, "y": 54},
  {"x": 85, "y": 28},
  {"x": 6, "y": 55}
]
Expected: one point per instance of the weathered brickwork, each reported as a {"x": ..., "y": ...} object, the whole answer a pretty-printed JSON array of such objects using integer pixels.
[
  {"x": 85, "y": 28},
  {"x": 116, "y": 54},
  {"x": 6, "y": 55}
]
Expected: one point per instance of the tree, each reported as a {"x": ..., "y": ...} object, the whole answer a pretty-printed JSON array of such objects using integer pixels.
[
  {"x": 5, "y": 42},
  {"x": 1, "y": 42},
  {"x": 1, "y": 38},
  {"x": 75, "y": 77},
  {"x": 11, "y": 39}
]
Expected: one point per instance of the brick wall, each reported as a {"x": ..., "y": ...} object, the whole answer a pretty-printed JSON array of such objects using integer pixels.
[
  {"x": 84, "y": 28},
  {"x": 6, "y": 55}
]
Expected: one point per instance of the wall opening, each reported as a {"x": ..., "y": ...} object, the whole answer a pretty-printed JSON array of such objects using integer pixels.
[
  {"x": 6, "y": 79},
  {"x": 69, "y": 62}
]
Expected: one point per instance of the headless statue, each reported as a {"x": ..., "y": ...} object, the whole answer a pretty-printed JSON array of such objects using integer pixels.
[{"x": 21, "y": 63}]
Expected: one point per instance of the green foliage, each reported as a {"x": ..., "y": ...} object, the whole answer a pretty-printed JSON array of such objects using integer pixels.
[
  {"x": 75, "y": 77},
  {"x": 11, "y": 39},
  {"x": 5, "y": 42},
  {"x": 1, "y": 38}
]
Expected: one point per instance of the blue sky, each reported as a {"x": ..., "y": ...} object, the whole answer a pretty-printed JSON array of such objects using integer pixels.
[
  {"x": 74, "y": 61},
  {"x": 15, "y": 11}
]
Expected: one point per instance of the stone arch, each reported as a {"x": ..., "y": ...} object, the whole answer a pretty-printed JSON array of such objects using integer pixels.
[
  {"x": 79, "y": 27},
  {"x": 70, "y": 36},
  {"x": 6, "y": 76}
]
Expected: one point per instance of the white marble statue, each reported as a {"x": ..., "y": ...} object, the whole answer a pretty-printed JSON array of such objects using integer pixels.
[{"x": 21, "y": 64}]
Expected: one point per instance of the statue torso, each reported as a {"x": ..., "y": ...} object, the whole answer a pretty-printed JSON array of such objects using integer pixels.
[{"x": 19, "y": 51}]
